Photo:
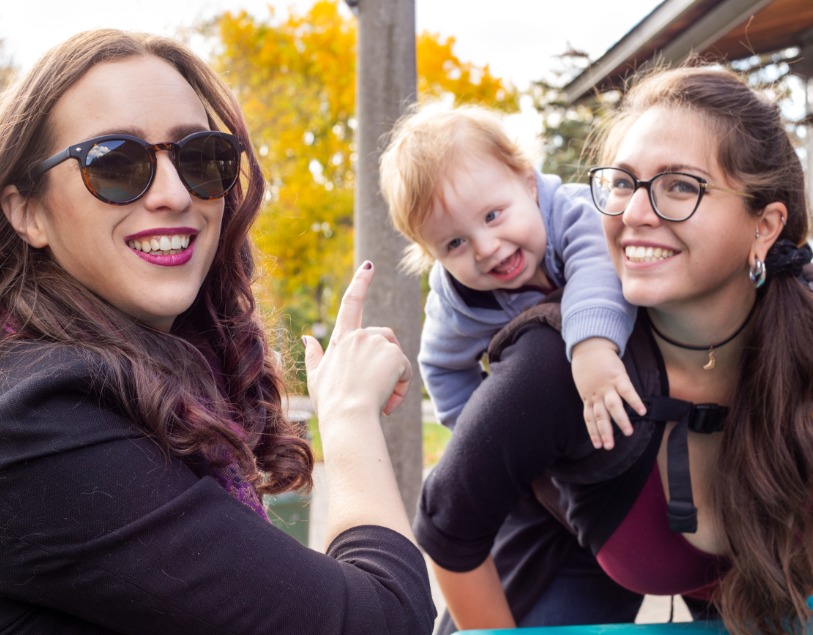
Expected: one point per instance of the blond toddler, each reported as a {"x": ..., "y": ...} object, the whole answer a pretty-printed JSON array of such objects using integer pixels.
[{"x": 497, "y": 237}]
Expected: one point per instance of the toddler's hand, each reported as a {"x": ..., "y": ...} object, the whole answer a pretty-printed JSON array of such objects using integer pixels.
[{"x": 603, "y": 383}]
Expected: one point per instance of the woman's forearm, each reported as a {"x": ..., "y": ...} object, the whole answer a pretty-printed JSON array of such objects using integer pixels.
[
  {"x": 361, "y": 485},
  {"x": 475, "y": 598}
]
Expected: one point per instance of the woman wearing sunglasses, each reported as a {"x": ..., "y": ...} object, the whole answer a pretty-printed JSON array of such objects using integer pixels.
[
  {"x": 705, "y": 215},
  {"x": 141, "y": 414}
]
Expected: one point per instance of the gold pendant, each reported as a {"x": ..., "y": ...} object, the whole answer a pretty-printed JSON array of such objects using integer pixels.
[{"x": 712, "y": 361}]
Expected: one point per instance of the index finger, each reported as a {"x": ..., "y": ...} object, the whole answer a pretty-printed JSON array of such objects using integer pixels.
[{"x": 351, "y": 309}]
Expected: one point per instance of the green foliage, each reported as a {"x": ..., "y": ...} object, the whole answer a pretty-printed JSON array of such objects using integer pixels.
[
  {"x": 566, "y": 126},
  {"x": 772, "y": 74}
]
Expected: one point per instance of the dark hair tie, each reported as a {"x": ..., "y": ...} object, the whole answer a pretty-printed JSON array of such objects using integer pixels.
[{"x": 786, "y": 257}]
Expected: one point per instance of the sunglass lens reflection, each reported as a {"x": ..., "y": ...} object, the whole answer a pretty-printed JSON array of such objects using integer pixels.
[
  {"x": 208, "y": 166},
  {"x": 118, "y": 170}
]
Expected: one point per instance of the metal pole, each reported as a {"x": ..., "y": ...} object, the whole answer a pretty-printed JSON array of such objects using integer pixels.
[{"x": 386, "y": 85}]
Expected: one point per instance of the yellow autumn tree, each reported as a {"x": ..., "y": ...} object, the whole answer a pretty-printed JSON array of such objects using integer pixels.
[{"x": 295, "y": 76}]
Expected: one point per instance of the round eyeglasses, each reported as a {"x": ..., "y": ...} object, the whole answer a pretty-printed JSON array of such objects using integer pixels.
[
  {"x": 119, "y": 169},
  {"x": 674, "y": 196}
]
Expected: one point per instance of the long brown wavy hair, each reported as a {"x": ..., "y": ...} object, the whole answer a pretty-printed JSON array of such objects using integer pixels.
[
  {"x": 763, "y": 490},
  {"x": 209, "y": 387}
]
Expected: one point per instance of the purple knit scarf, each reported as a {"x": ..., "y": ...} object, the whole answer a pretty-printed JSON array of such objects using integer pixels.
[
  {"x": 229, "y": 475},
  {"x": 232, "y": 481}
]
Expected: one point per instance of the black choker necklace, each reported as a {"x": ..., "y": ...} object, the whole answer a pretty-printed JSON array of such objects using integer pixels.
[{"x": 712, "y": 360}]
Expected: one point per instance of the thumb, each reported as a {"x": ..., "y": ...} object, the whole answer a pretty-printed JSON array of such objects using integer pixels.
[{"x": 313, "y": 353}]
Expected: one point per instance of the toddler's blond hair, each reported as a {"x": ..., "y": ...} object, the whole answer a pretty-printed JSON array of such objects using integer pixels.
[{"x": 425, "y": 144}]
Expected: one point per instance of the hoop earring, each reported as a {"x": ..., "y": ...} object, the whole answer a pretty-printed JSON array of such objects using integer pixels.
[{"x": 757, "y": 273}]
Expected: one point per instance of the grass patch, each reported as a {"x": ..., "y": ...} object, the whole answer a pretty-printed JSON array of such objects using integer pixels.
[
  {"x": 435, "y": 438},
  {"x": 315, "y": 439}
]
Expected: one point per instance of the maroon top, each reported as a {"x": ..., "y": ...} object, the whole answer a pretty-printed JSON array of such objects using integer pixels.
[{"x": 645, "y": 556}]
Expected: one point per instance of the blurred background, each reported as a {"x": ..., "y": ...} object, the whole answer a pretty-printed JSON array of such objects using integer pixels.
[
  {"x": 293, "y": 63},
  {"x": 551, "y": 67}
]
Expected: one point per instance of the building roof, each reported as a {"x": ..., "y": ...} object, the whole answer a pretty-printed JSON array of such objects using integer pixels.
[{"x": 715, "y": 29}]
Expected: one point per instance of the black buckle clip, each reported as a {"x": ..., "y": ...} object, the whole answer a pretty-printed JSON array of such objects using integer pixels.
[
  {"x": 706, "y": 418},
  {"x": 682, "y": 516}
]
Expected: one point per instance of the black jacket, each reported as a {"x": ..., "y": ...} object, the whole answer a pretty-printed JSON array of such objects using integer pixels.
[{"x": 101, "y": 531}]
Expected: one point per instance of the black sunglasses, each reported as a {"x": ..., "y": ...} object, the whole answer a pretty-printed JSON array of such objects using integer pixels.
[{"x": 119, "y": 168}]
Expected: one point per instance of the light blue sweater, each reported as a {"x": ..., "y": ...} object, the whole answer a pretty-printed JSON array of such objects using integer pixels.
[{"x": 455, "y": 334}]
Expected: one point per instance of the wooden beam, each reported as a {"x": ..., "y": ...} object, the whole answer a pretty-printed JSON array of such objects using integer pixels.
[{"x": 679, "y": 26}]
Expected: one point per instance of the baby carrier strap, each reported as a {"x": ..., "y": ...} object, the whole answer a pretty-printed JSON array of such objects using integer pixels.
[
  {"x": 587, "y": 465},
  {"x": 548, "y": 311},
  {"x": 647, "y": 374}
]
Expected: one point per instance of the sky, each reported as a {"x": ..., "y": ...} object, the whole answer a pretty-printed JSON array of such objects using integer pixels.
[{"x": 518, "y": 39}]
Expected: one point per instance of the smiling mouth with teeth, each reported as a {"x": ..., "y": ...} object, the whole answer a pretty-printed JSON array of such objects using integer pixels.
[
  {"x": 647, "y": 254},
  {"x": 509, "y": 265},
  {"x": 161, "y": 244}
]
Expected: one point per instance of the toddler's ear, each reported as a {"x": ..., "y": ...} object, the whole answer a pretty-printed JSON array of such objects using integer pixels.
[
  {"x": 530, "y": 179},
  {"x": 22, "y": 214}
]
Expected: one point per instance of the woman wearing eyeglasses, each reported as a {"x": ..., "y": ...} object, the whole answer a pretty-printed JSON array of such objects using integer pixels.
[
  {"x": 141, "y": 414},
  {"x": 711, "y": 498}
]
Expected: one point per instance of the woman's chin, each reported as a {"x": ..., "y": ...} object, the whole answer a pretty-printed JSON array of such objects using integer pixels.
[{"x": 642, "y": 294}]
